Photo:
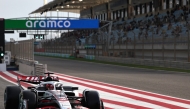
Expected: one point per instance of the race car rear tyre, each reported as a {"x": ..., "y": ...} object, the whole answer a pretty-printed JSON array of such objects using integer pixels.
[
  {"x": 102, "y": 104},
  {"x": 92, "y": 100},
  {"x": 31, "y": 99},
  {"x": 11, "y": 97}
]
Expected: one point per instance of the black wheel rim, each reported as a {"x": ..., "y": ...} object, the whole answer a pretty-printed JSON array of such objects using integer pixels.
[{"x": 20, "y": 103}]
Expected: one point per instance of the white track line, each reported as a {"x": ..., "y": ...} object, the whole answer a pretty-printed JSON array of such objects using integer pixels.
[
  {"x": 131, "y": 93},
  {"x": 115, "y": 97},
  {"x": 122, "y": 87},
  {"x": 110, "y": 96}
]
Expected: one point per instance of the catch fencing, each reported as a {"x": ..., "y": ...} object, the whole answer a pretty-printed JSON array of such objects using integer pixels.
[
  {"x": 23, "y": 53},
  {"x": 22, "y": 50}
]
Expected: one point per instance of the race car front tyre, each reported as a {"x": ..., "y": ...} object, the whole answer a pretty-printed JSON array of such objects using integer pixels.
[
  {"x": 28, "y": 100},
  {"x": 92, "y": 100},
  {"x": 11, "y": 97}
]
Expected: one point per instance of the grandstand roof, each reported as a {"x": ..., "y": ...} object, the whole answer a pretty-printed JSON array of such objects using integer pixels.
[{"x": 68, "y": 5}]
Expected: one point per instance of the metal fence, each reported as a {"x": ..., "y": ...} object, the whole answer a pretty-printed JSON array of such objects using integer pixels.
[
  {"x": 171, "y": 48},
  {"x": 112, "y": 42},
  {"x": 23, "y": 50}
]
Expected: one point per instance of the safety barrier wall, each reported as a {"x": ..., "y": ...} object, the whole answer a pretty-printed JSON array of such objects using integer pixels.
[
  {"x": 3, "y": 67},
  {"x": 170, "y": 52},
  {"x": 25, "y": 66},
  {"x": 31, "y": 67},
  {"x": 91, "y": 57},
  {"x": 40, "y": 69},
  {"x": 23, "y": 53},
  {"x": 156, "y": 63},
  {"x": 53, "y": 54}
]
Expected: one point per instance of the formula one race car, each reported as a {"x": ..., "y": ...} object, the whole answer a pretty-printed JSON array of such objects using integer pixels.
[{"x": 49, "y": 94}]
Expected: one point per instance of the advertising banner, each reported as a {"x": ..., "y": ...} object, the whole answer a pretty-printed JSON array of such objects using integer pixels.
[{"x": 51, "y": 24}]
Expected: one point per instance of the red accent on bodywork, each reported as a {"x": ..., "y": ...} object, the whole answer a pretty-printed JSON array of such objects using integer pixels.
[
  {"x": 45, "y": 101},
  {"x": 35, "y": 78},
  {"x": 47, "y": 107}
]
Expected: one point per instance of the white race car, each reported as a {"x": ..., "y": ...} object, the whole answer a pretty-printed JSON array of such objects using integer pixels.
[{"x": 49, "y": 94}]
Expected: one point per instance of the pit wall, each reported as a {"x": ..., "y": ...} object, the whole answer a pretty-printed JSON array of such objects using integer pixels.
[{"x": 3, "y": 67}]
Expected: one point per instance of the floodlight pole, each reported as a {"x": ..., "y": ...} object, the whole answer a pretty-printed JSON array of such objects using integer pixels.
[{"x": 45, "y": 2}]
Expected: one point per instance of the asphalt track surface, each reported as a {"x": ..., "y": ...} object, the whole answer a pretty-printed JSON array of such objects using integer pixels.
[{"x": 174, "y": 84}]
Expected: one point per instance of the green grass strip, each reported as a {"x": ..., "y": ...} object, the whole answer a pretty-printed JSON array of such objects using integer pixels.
[{"x": 122, "y": 64}]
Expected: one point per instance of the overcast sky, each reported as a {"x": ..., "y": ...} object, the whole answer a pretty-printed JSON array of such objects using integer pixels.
[{"x": 21, "y": 8}]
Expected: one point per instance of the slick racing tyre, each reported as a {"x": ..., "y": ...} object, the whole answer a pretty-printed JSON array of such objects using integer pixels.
[
  {"x": 102, "y": 104},
  {"x": 27, "y": 100},
  {"x": 11, "y": 97},
  {"x": 92, "y": 100}
]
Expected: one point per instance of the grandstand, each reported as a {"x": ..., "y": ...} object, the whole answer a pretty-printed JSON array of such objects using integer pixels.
[{"x": 143, "y": 29}]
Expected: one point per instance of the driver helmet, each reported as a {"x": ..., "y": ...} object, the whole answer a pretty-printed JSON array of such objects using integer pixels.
[{"x": 49, "y": 86}]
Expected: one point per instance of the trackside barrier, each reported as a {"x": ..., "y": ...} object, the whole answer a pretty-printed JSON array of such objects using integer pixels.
[
  {"x": 25, "y": 66},
  {"x": 3, "y": 67},
  {"x": 90, "y": 57},
  {"x": 23, "y": 53},
  {"x": 53, "y": 54},
  {"x": 40, "y": 69},
  {"x": 31, "y": 67},
  {"x": 156, "y": 63}
]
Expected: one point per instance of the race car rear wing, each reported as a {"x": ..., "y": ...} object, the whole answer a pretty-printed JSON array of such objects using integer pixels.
[{"x": 36, "y": 79}]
